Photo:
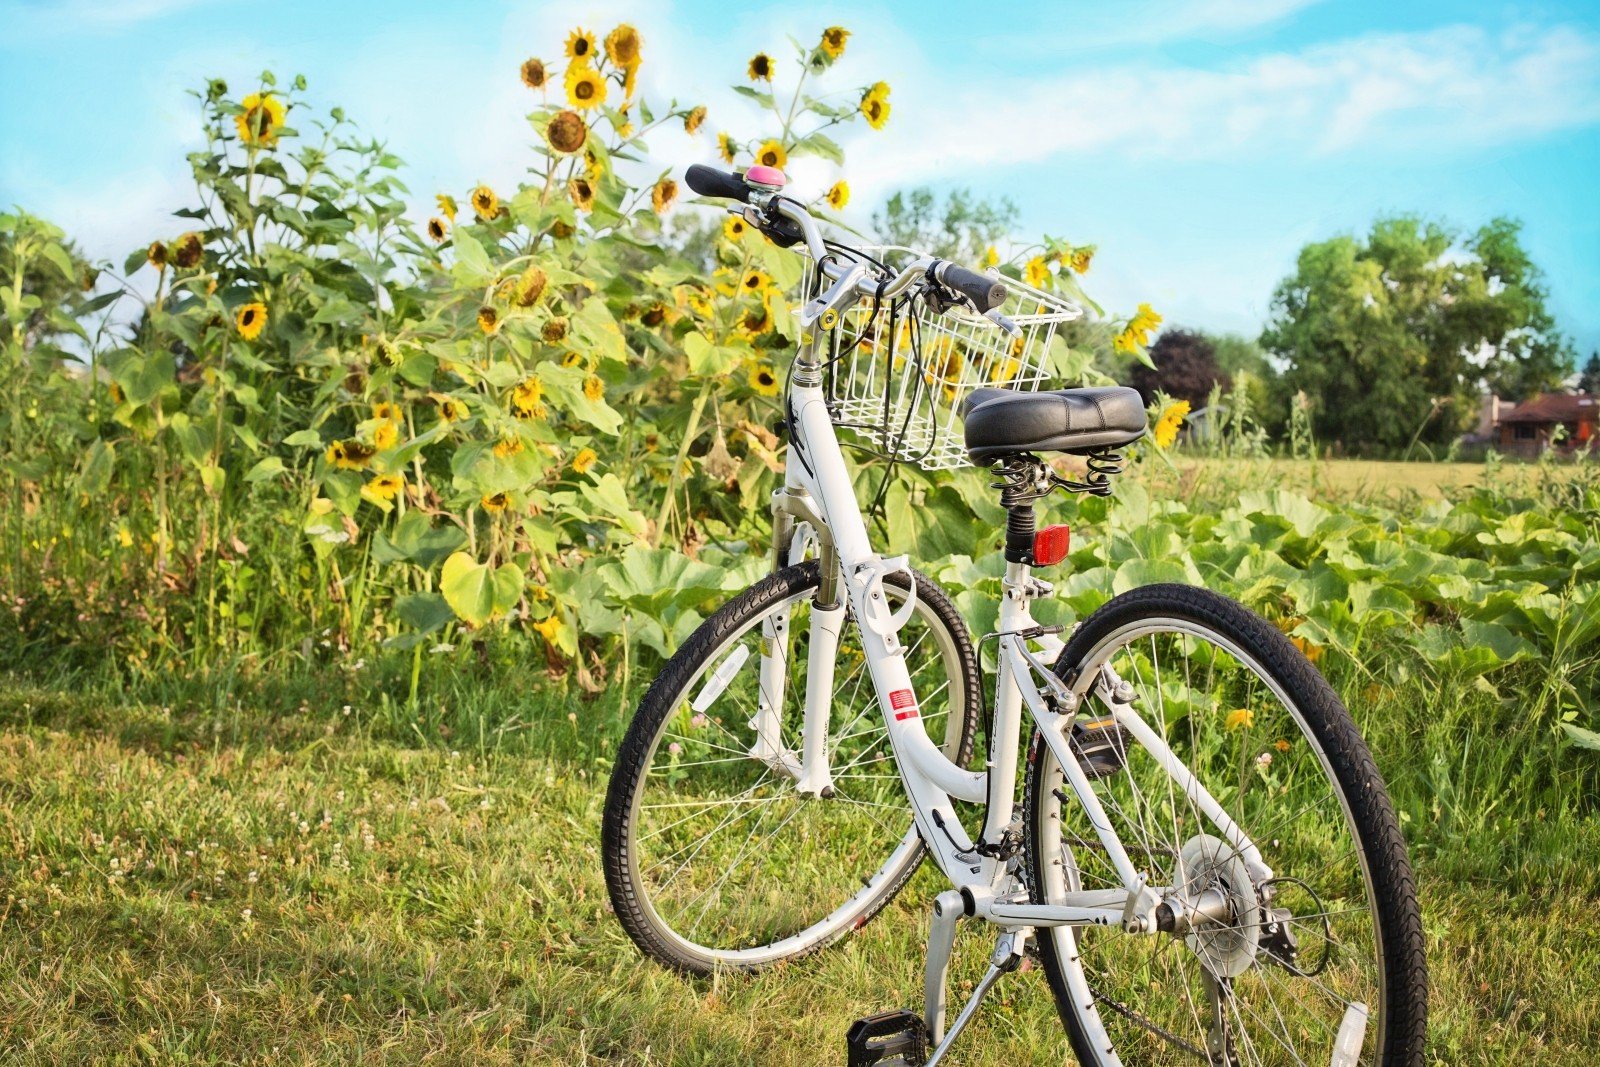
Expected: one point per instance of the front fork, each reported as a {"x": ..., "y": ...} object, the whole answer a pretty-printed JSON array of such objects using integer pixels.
[{"x": 796, "y": 525}]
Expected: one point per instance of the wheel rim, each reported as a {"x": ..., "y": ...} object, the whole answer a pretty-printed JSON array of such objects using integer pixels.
[
  {"x": 743, "y": 870},
  {"x": 1274, "y": 778}
]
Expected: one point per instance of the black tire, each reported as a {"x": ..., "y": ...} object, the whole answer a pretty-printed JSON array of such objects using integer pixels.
[
  {"x": 667, "y": 695},
  {"x": 1399, "y": 1035}
]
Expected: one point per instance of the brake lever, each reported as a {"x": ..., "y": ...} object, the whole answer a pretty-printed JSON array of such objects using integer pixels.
[{"x": 1004, "y": 323}]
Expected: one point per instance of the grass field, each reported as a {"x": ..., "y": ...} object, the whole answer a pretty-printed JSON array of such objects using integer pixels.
[
  {"x": 1351, "y": 479},
  {"x": 280, "y": 885}
]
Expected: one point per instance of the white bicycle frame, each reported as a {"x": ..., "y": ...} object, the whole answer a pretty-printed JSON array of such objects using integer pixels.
[{"x": 818, "y": 505}]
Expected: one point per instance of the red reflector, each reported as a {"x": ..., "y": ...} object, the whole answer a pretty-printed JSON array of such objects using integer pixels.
[{"x": 1050, "y": 545}]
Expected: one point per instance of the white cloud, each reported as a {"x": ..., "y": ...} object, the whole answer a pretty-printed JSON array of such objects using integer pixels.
[
  {"x": 1453, "y": 88},
  {"x": 1159, "y": 21}
]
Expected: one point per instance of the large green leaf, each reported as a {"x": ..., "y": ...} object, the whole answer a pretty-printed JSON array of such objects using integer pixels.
[
  {"x": 416, "y": 541},
  {"x": 477, "y": 592}
]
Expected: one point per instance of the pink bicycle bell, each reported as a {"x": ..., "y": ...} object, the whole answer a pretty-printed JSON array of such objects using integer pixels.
[{"x": 770, "y": 179}]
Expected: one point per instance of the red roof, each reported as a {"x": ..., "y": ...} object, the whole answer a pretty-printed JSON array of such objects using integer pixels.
[{"x": 1554, "y": 407}]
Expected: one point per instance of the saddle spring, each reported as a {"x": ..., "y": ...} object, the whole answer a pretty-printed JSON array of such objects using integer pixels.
[{"x": 1025, "y": 478}]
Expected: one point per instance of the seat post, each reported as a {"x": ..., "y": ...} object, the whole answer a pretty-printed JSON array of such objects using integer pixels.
[
  {"x": 1020, "y": 524},
  {"x": 1022, "y": 479}
]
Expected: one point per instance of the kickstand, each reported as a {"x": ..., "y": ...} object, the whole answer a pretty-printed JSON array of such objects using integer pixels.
[
  {"x": 1007, "y": 956},
  {"x": 1219, "y": 1041}
]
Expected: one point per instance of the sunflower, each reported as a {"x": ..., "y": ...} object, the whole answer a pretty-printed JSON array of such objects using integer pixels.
[
  {"x": 991, "y": 257},
  {"x": 654, "y": 315},
  {"x": 763, "y": 380},
  {"x": 760, "y": 67},
  {"x": 1080, "y": 259},
  {"x": 580, "y": 46},
  {"x": 530, "y": 286},
  {"x": 699, "y": 302},
  {"x": 875, "y": 105},
  {"x": 594, "y": 388},
  {"x": 385, "y": 435},
  {"x": 385, "y": 353},
  {"x": 692, "y": 121},
  {"x": 258, "y": 123},
  {"x": 1239, "y": 718},
  {"x": 488, "y": 319},
  {"x": 582, "y": 191},
  {"x": 494, "y": 503},
  {"x": 585, "y": 88},
  {"x": 451, "y": 409},
  {"x": 527, "y": 398},
  {"x": 509, "y": 447},
  {"x": 534, "y": 76},
  {"x": 839, "y": 195},
  {"x": 385, "y": 486},
  {"x": 756, "y": 321},
  {"x": 725, "y": 147},
  {"x": 622, "y": 46},
  {"x": 755, "y": 281},
  {"x": 734, "y": 227},
  {"x": 833, "y": 39},
  {"x": 772, "y": 154},
  {"x": 350, "y": 455},
  {"x": 663, "y": 194},
  {"x": 584, "y": 461},
  {"x": 630, "y": 85},
  {"x": 383, "y": 409},
  {"x": 187, "y": 251},
  {"x": 156, "y": 255},
  {"x": 250, "y": 320},
  {"x": 437, "y": 230},
  {"x": 550, "y": 630},
  {"x": 554, "y": 330},
  {"x": 567, "y": 132},
  {"x": 1166, "y": 428},
  {"x": 562, "y": 230},
  {"x": 1136, "y": 334},
  {"x": 570, "y": 358},
  {"x": 593, "y": 165},
  {"x": 447, "y": 206},
  {"x": 1037, "y": 272},
  {"x": 485, "y": 204},
  {"x": 1311, "y": 651}
]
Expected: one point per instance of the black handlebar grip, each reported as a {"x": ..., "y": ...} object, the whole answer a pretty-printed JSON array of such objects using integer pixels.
[
  {"x": 986, "y": 293},
  {"x": 709, "y": 181}
]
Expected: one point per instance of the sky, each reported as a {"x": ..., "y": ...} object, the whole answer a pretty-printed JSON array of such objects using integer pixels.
[{"x": 1200, "y": 145}]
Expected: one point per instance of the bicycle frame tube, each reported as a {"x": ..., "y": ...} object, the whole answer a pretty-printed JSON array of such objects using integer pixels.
[{"x": 818, "y": 488}]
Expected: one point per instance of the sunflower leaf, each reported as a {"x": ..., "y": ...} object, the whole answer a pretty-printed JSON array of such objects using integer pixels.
[{"x": 764, "y": 99}]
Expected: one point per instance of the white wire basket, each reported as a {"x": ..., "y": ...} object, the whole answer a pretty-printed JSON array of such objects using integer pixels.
[{"x": 909, "y": 408}]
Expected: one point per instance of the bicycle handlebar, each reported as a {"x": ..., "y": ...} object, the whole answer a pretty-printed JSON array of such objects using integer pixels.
[
  {"x": 709, "y": 181},
  {"x": 986, "y": 293}
]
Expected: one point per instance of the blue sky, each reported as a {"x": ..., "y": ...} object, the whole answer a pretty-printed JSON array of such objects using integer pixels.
[{"x": 1199, "y": 144}]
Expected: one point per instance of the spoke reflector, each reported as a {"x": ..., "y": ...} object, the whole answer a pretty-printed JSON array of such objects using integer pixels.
[{"x": 721, "y": 677}]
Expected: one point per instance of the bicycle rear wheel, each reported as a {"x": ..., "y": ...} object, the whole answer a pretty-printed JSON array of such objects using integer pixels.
[
  {"x": 712, "y": 857},
  {"x": 1279, "y": 978}
]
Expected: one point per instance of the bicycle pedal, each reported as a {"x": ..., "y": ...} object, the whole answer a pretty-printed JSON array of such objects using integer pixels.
[
  {"x": 890, "y": 1038},
  {"x": 1100, "y": 745}
]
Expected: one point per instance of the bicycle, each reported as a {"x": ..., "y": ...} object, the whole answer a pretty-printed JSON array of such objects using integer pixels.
[{"x": 1205, "y": 859}]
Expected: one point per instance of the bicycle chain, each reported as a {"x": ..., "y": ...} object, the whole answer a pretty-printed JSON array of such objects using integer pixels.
[{"x": 1140, "y": 1021}]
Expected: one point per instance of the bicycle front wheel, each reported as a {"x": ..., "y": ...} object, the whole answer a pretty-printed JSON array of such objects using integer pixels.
[
  {"x": 713, "y": 857},
  {"x": 1328, "y": 951}
]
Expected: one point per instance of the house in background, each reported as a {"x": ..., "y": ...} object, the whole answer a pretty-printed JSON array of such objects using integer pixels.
[{"x": 1529, "y": 428}]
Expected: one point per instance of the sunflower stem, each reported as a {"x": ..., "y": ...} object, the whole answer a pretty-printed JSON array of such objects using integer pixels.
[{"x": 689, "y": 434}]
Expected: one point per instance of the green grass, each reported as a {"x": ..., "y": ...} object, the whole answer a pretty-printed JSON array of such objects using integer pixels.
[{"x": 268, "y": 879}]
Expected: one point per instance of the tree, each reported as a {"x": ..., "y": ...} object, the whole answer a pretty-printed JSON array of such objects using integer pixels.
[
  {"x": 960, "y": 228},
  {"x": 1393, "y": 336},
  {"x": 1185, "y": 368},
  {"x": 1589, "y": 381}
]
